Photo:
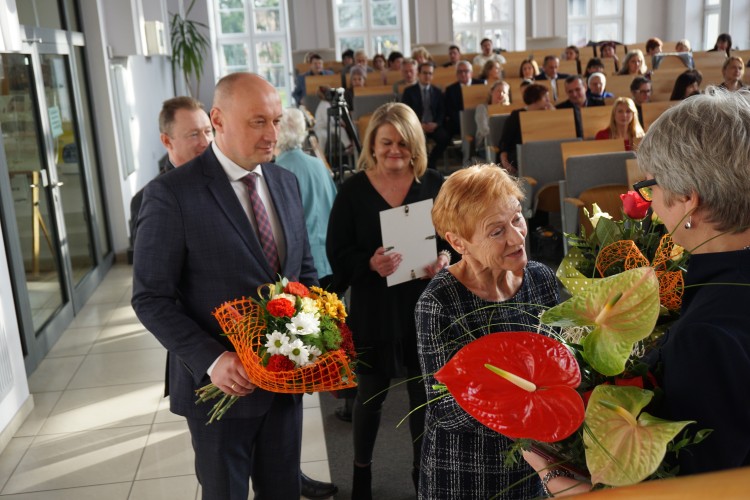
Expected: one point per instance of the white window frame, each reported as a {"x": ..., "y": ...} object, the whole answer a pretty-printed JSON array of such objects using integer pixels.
[
  {"x": 484, "y": 29},
  {"x": 710, "y": 9},
  {"x": 250, "y": 38},
  {"x": 369, "y": 32},
  {"x": 590, "y": 19}
]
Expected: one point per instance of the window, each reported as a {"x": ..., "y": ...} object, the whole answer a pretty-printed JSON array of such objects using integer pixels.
[
  {"x": 474, "y": 20},
  {"x": 594, "y": 20},
  {"x": 375, "y": 26},
  {"x": 252, "y": 35},
  {"x": 711, "y": 19}
]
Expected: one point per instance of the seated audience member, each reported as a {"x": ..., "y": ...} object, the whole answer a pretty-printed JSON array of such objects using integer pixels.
[
  {"x": 640, "y": 90},
  {"x": 723, "y": 43},
  {"x": 634, "y": 64},
  {"x": 487, "y": 54},
  {"x": 491, "y": 72},
  {"x": 421, "y": 55},
  {"x": 576, "y": 92},
  {"x": 536, "y": 98},
  {"x": 597, "y": 90},
  {"x": 316, "y": 68},
  {"x": 427, "y": 102},
  {"x": 607, "y": 50},
  {"x": 357, "y": 78},
  {"x": 683, "y": 46},
  {"x": 409, "y": 68},
  {"x": 571, "y": 53},
  {"x": 595, "y": 65},
  {"x": 454, "y": 100},
  {"x": 499, "y": 94},
  {"x": 654, "y": 46},
  {"x": 733, "y": 70},
  {"x": 360, "y": 59},
  {"x": 494, "y": 288},
  {"x": 378, "y": 64},
  {"x": 687, "y": 84},
  {"x": 316, "y": 186},
  {"x": 528, "y": 69},
  {"x": 549, "y": 72},
  {"x": 623, "y": 123},
  {"x": 454, "y": 55},
  {"x": 395, "y": 59},
  {"x": 347, "y": 61}
]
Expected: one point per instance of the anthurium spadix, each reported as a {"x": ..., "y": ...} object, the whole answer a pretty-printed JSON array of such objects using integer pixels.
[
  {"x": 623, "y": 447},
  {"x": 520, "y": 384},
  {"x": 622, "y": 310}
]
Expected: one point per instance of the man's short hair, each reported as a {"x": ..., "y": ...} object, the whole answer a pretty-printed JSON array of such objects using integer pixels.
[
  {"x": 637, "y": 82},
  {"x": 548, "y": 58},
  {"x": 347, "y": 53},
  {"x": 426, "y": 63},
  {"x": 314, "y": 57},
  {"x": 572, "y": 78},
  {"x": 394, "y": 55},
  {"x": 485, "y": 40},
  {"x": 465, "y": 64},
  {"x": 170, "y": 107},
  {"x": 454, "y": 47}
]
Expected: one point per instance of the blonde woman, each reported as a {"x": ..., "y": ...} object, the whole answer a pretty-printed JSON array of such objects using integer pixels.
[
  {"x": 492, "y": 71},
  {"x": 623, "y": 123},
  {"x": 528, "y": 69},
  {"x": 421, "y": 55},
  {"x": 733, "y": 70},
  {"x": 499, "y": 94},
  {"x": 634, "y": 64}
]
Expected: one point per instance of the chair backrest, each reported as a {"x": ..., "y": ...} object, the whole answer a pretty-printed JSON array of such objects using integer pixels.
[
  {"x": 583, "y": 148},
  {"x": 609, "y": 66},
  {"x": 514, "y": 84},
  {"x": 497, "y": 122},
  {"x": 547, "y": 125},
  {"x": 652, "y": 111},
  {"x": 619, "y": 85},
  {"x": 473, "y": 95},
  {"x": 569, "y": 67},
  {"x": 373, "y": 90},
  {"x": 501, "y": 109},
  {"x": 468, "y": 124},
  {"x": 362, "y": 122},
  {"x": 705, "y": 59},
  {"x": 594, "y": 119},
  {"x": 713, "y": 76},
  {"x": 367, "y": 104},
  {"x": 541, "y": 161},
  {"x": 392, "y": 77},
  {"x": 634, "y": 173},
  {"x": 672, "y": 61},
  {"x": 662, "y": 83},
  {"x": 313, "y": 82}
]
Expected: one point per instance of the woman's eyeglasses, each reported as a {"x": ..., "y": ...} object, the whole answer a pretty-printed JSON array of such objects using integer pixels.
[{"x": 643, "y": 188}]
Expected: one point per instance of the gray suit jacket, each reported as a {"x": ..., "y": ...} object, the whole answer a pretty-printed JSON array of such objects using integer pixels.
[{"x": 195, "y": 250}]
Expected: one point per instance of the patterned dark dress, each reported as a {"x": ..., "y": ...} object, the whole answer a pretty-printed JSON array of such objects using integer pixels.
[{"x": 461, "y": 458}]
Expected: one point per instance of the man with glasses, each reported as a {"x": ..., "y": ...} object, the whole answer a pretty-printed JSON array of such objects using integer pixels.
[
  {"x": 427, "y": 102},
  {"x": 454, "y": 100},
  {"x": 640, "y": 88}
]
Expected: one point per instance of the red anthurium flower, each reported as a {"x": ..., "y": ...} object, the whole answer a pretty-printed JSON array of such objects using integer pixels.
[
  {"x": 634, "y": 206},
  {"x": 520, "y": 384}
]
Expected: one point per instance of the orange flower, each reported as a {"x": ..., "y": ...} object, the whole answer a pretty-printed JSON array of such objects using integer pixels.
[
  {"x": 281, "y": 308},
  {"x": 296, "y": 288}
]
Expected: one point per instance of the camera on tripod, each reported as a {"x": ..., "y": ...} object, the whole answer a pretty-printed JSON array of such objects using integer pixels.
[{"x": 335, "y": 95}]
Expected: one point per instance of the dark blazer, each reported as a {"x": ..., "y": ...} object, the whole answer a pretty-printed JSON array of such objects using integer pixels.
[
  {"x": 413, "y": 98},
  {"x": 197, "y": 249},
  {"x": 454, "y": 104},
  {"x": 543, "y": 76},
  {"x": 590, "y": 103}
]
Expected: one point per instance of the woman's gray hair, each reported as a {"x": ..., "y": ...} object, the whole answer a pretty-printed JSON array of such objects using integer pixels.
[
  {"x": 598, "y": 74},
  {"x": 701, "y": 146},
  {"x": 292, "y": 129}
]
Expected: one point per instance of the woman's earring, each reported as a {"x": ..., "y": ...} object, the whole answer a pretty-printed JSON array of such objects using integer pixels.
[{"x": 689, "y": 222}]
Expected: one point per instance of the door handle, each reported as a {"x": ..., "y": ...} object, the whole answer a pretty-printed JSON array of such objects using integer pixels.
[{"x": 57, "y": 184}]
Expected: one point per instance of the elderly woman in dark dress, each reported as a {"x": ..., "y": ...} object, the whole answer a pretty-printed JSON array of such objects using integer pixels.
[
  {"x": 493, "y": 288},
  {"x": 393, "y": 172}
]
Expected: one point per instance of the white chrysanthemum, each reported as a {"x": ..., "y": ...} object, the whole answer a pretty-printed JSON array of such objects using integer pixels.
[
  {"x": 309, "y": 306},
  {"x": 297, "y": 352},
  {"x": 304, "y": 324},
  {"x": 314, "y": 353},
  {"x": 276, "y": 342},
  {"x": 291, "y": 298}
]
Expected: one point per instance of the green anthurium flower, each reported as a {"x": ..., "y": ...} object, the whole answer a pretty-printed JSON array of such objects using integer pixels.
[
  {"x": 623, "y": 448},
  {"x": 622, "y": 310}
]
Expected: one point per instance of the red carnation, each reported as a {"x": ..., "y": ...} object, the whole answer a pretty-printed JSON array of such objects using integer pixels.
[
  {"x": 634, "y": 206},
  {"x": 281, "y": 308},
  {"x": 296, "y": 288},
  {"x": 279, "y": 363}
]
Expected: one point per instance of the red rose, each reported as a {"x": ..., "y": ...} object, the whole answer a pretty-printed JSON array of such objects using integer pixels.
[
  {"x": 279, "y": 363},
  {"x": 281, "y": 308},
  {"x": 296, "y": 288},
  {"x": 634, "y": 206}
]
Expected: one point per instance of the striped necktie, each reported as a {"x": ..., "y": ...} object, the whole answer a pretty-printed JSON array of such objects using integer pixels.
[{"x": 262, "y": 222}]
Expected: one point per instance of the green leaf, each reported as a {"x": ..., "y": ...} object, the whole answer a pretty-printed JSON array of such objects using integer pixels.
[
  {"x": 622, "y": 310},
  {"x": 607, "y": 231},
  {"x": 619, "y": 453}
]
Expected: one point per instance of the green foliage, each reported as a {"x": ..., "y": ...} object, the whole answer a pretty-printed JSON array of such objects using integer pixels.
[{"x": 189, "y": 46}]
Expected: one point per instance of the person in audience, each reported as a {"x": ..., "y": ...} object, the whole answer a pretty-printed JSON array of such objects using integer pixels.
[
  {"x": 487, "y": 54},
  {"x": 322, "y": 121},
  {"x": 360, "y": 59},
  {"x": 654, "y": 46},
  {"x": 687, "y": 84},
  {"x": 491, "y": 72},
  {"x": 733, "y": 70},
  {"x": 576, "y": 92},
  {"x": 454, "y": 100},
  {"x": 623, "y": 123},
  {"x": 640, "y": 90},
  {"x": 572, "y": 53},
  {"x": 316, "y": 68},
  {"x": 607, "y": 50},
  {"x": 493, "y": 288},
  {"x": 536, "y": 98},
  {"x": 427, "y": 102},
  {"x": 597, "y": 87},
  {"x": 316, "y": 186},
  {"x": 421, "y": 55},
  {"x": 379, "y": 67},
  {"x": 357, "y": 78},
  {"x": 499, "y": 94},
  {"x": 549, "y": 72},
  {"x": 723, "y": 43},
  {"x": 392, "y": 172},
  {"x": 528, "y": 69},
  {"x": 454, "y": 55},
  {"x": 395, "y": 59},
  {"x": 595, "y": 65},
  {"x": 347, "y": 60},
  {"x": 409, "y": 69},
  {"x": 683, "y": 46},
  {"x": 634, "y": 64}
]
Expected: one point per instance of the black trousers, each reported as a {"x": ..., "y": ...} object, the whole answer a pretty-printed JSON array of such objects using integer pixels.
[{"x": 442, "y": 139}]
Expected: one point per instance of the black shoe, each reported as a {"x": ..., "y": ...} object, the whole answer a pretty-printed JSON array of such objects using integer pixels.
[
  {"x": 313, "y": 489},
  {"x": 343, "y": 413}
]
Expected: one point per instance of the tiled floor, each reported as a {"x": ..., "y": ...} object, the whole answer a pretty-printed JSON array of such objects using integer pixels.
[{"x": 100, "y": 428}]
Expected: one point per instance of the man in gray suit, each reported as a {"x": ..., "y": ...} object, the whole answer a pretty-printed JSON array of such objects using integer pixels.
[{"x": 202, "y": 240}]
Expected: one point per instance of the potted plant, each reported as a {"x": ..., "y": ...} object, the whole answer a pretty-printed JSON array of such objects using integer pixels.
[{"x": 189, "y": 46}]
